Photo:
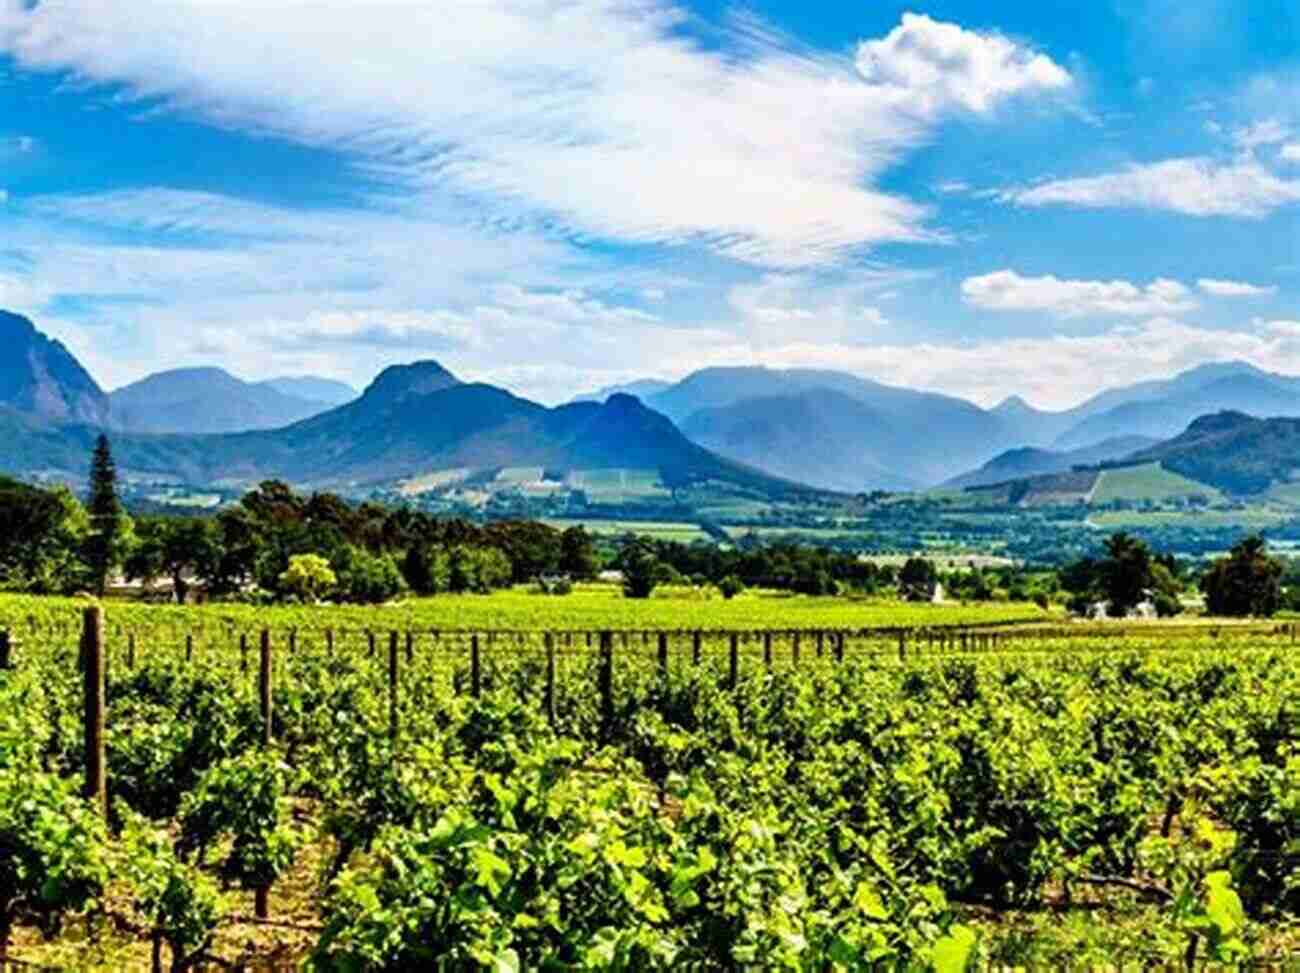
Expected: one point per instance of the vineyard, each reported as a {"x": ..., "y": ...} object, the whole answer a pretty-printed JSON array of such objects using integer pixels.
[{"x": 521, "y": 783}]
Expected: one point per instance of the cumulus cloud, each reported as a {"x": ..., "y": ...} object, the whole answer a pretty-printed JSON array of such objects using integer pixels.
[
  {"x": 1198, "y": 186},
  {"x": 1006, "y": 290},
  {"x": 935, "y": 67},
  {"x": 561, "y": 112},
  {"x": 1233, "y": 288},
  {"x": 1291, "y": 152}
]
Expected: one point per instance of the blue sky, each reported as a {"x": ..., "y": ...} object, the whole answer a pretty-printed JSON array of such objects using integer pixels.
[{"x": 982, "y": 198}]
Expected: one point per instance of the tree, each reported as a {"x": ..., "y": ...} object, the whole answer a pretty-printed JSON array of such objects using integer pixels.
[
  {"x": 918, "y": 579},
  {"x": 308, "y": 576},
  {"x": 103, "y": 546},
  {"x": 1126, "y": 574},
  {"x": 641, "y": 569},
  {"x": 1246, "y": 582},
  {"x": 730, "y": 586},
  {"x": 577, "y": 554},
  {"x": 367, "y": 578}
]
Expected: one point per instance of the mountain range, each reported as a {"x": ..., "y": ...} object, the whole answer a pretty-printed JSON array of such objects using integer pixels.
[
  {"x": 210, "y": 400},
  {"x": 758, "y": 429}
]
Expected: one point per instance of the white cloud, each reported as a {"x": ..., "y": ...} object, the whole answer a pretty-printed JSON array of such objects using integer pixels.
[
  {"x": 1194, "y": 186},
  {"x": 1291, "y": 153},
  {"x": 1051, "y": 371},
  {"x": 935, "y": 67},
  {"x": 1006, "y": 290},
  {"x": 1233, "y": 288},
  {"x": 1270, "y": 131},
  {"x": 560, "y": 112}
]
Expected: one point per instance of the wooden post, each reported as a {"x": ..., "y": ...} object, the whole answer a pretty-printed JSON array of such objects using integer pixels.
[
  {"x": 767, "y": 649},
  {"x": 663, "y": 653},
  {"x": 6, "y": 650},
  {"x": 696, "y": 639},
  {"x": 243, "y": 652},
  {"x": 92, "y": 654},
  {"x": 606, "y": 678},
  {"x": 839, "y": 646},
  {"x": 293, "y": 641},
  {"x": 410, "y": 647},
  {"x": 794, "y": 649},
  {"x": 821, "y": 644},
  {"x": 549, "y": 702},
  {"x": 733, "y": 665},
  {"x": 370, "y": 643},
  {"x": 475, "y": 668},
  {"x": 189, "y": 646},
  {"x": 329, "y": 641},
  {"x": 394, "y": 678},
  {"x": 264, "y": 676},
  {"x": 130, "y": 650},
  {"x": 902, "y": 644}
]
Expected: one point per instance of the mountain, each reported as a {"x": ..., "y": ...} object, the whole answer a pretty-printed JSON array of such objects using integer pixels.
[
  {"x": 642, "y": 389},
  {"x": 833, "y": 429},
  {"x": 40, "y": 378},
  {"x": 412, "y": 420},
  {"x": 1233, "y": 452},
  {"x": 818, "y": 436},
  {"x": 311, "y": 388},
  {"x": 1164, "y": 409},
  {"x": 205, "y": 400},
  {"x": 1029, "y": 461}
]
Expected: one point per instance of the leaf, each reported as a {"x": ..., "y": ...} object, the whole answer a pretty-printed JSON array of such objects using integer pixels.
[
  {"x": 868, "y": 901},
  {"x": 507, "y": 961},
  {"x": 1223, "y": 905},
  {"x": 952, "y": 953}
]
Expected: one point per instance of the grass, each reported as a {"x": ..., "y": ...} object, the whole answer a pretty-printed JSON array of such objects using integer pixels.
[
  {"x": 1151, "y": 482},
  {"x": 659, "y": 530},
  {"x": 1250, "y": 517},
  {"x": 589, "y": 607}
]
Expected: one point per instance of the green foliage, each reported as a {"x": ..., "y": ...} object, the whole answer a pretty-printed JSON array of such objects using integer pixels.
[
  {"x": 1246, "y": 582},
  {"x": 308, "y": 577},
  {"x": 918, "y": 579},
  {"x": 365, "y": 578},
  {"x": 642, "y": 571},
  {"x": 104, "y": 544},
  {"x": 54, "y": 855},
  {"x": 730, "y": 586},
  {"x": 243, "y": 799}
]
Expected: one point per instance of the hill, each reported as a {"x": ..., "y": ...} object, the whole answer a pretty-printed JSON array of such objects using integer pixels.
[
  {"x": 831, "y": 428},
  {"x": 40, "y": 378},
  {"x": 206, "y": 400},
  {"x": 1233, "y": 452},
  {"x": 1029, "y": 461},
  {"x": 643, "y": 389}
]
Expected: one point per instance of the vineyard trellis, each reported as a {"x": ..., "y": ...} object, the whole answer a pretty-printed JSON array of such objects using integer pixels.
[{"x": 363, "y": 702}]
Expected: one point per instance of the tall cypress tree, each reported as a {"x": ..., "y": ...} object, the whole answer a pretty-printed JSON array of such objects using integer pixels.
[{"x": 105, "y": 515}]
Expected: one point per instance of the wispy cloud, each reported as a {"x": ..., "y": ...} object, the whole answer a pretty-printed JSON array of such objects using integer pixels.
[
  {"x": 1234, "y": 288},
  {"x": 1006, "y": 290},
  {"x": 556, "y": 111},
  {"x": 1198, "y": 186}
]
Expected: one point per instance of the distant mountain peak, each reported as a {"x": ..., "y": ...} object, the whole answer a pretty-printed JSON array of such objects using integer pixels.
[
  {"x": 1013, "y": 405},
  {"x": 41, "y": 378},
  {"x": 1220, "y": 422},
  {"x": 399, "y": 382}
]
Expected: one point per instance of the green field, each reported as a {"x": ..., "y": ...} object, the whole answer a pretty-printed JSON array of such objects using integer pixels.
[
  {"x": 589, "y": 607},
  {"x": 659, "y": 530},
  {"x": 1248, "y": 518},
  {"x": 1151, "y": 482}
]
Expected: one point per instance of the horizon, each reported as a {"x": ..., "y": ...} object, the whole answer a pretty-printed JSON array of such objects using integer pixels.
[
  {"x": 604, "y": 392},
  {"x": 975, "y": 201}
]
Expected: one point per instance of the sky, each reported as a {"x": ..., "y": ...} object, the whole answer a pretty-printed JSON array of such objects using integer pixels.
[{"x": 981, "y": 197}]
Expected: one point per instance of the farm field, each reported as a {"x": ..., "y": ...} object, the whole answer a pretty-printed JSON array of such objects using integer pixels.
[
  {"x": 1049, "y": 795},
  {"x": 682, "y": 533},
  {"x": 1150, "y": 482}
]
